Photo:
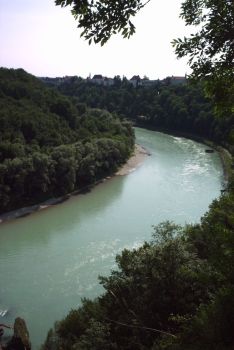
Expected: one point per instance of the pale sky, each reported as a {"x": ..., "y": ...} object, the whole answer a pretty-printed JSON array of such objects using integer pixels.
[{"x": 43, "y": 39}]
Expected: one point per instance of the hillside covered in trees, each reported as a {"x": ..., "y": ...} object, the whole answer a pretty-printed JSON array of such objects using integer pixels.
[
  {"x": 182, "y": 107},
  {"x": 175, "y": 292},
  {"x": 50, "y": 144}
]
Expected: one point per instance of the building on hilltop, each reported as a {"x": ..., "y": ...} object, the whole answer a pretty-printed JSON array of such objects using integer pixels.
[
  {"x": 108, "y": 81},
  {"x": 148, "y": 82},
  {"x": 59, "y": 80},
  {"x": 178, "y": 80},
  {"x": 100, "y": 80},
  {"x": 174, "y": 80},
  {"x": 135, "y": 80},
  {"x": 97, "y": 79}
]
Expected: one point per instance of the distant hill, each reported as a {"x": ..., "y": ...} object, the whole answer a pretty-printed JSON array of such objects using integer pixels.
[
  {"x": 51, "y": 144},
  {"x": 163, "y": 104}
]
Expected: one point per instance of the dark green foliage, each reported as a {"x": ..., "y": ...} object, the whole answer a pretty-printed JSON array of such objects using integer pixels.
[
  {"x": 51, "y": 145},
  {"x": 175, "y": 292},
  {"x": 182, "y": 108},
  {"x": 211, "y": 49},
  {"x": 101, "y": 19}
]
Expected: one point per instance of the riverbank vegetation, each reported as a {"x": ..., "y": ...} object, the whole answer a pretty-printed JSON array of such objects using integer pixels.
[
  {"x": 50, "y": 144},
  {"x": 175, "y": 292},
  {"x": 163, "y": 105}
]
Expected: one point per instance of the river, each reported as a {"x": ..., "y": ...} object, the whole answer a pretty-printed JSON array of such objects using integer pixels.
[{"x": 51, "y": 259}]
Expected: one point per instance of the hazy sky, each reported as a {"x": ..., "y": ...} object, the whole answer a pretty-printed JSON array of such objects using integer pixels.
[{"x": 43, "y": 39}]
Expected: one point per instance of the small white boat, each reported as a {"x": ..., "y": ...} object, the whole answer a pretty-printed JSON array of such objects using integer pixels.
[{"x": 3, "y": 312}]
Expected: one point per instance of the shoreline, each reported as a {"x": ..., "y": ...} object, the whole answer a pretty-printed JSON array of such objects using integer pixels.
[
  {"x": 224, "y": 153},
  {"x": 135, "y": 160},
  {"x": 138, "y": 157}
]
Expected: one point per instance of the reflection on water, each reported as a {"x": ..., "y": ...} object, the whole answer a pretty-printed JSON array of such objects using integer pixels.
[{"x": 52, "y": 259}]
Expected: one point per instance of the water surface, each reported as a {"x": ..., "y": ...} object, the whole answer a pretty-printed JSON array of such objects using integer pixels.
[{"x": 52, "y": 259}]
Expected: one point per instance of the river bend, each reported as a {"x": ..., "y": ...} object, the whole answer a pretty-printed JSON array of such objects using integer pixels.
[{"x": 51, "y": 259}]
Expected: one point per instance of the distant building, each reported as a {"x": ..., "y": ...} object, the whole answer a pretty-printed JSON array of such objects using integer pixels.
[
  {"x": 97, "y": 79},
  {"x": 148, "y": 82},
  {"x": 100, "y": 80},
  {"x": 58, "y": 80},
  {"x": 177, "y": 80},
  {"x": 135, "y": 80},
  {"x": 108, "y": 81}
]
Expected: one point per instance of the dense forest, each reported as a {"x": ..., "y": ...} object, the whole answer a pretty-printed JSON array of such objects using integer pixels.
[
  {"x": 175, "y": 108},
  {"x": 50, "y": 144},
  {"x": 175, "y": 292}
]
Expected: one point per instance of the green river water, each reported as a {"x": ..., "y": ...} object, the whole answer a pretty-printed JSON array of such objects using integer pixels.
[{"x": 51, "y": 259}]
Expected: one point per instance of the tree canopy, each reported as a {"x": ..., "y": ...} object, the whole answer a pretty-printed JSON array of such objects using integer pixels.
[
  {"x": 101, "y": 19},
  {"x": 210, "y": 50},
  {"x": 50, "y": 144},
  {"x": 173, "y": 293},
  {"x": 163, "y": 105}
]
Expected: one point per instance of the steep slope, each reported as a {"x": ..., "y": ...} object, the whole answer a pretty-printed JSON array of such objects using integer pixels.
[{"x": 50, "y": 144}]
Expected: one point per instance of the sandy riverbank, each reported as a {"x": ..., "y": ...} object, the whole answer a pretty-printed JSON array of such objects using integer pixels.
[
  {"x": 134, "y": 161},
  {"x": 140, "y": 153}
]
